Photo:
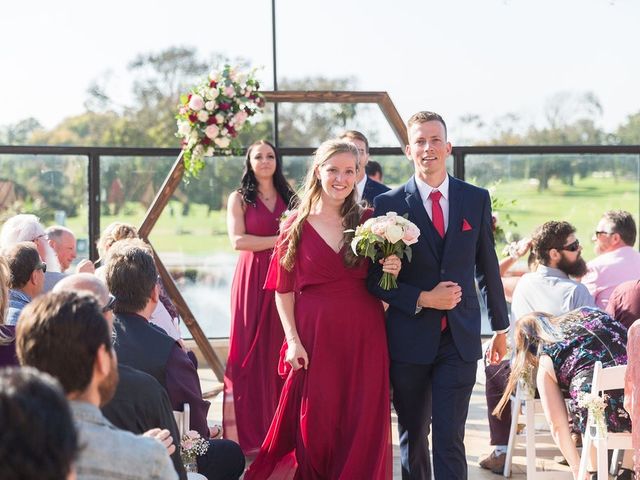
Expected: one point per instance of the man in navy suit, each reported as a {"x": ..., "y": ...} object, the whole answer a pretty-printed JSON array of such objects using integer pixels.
[
  {"x": 433, "y": 321},
  {"x": 367, "y": 188}
]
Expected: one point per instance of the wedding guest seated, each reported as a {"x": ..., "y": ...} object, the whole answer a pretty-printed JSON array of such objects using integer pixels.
[
  {"x": 617, "y": 260},
  {"x": 563, "y": 350},
  {"x": 131, "y": 277},
  {"x": 27, "y": 228},
  {"x": 66, "y": 335},
  {"x": 26, "y": 277},
  {"x": 140, "y": 403},
  {"x": 165, "y": 315},
  {"x": 63, "y": 241},
  {"x": 7, "y": 332},
  {"x": 38, "y": 437},
  {"x": 624, "y": 302}
]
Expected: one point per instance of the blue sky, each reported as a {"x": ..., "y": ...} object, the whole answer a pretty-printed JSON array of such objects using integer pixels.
[{"x": 486, "y": 57}]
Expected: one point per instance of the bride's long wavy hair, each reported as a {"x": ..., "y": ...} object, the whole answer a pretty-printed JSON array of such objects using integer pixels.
[
  {"x": 531, "y": 332},
  {"x": 309, "y": 196}
]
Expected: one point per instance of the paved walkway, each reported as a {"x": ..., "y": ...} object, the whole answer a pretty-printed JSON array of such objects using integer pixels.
[{"x": 476, "y": 441}]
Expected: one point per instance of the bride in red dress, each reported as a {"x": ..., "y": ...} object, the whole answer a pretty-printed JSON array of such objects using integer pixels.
[
  {"x": 252, "y": 384},
  {"x": 333, "y": 418}
]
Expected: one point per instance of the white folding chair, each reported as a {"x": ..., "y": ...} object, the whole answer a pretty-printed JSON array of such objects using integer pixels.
[
  {"x": 522, "y": 404},
  {"x": 182, "y": 419},
  {"x": 604, "y": 379}
]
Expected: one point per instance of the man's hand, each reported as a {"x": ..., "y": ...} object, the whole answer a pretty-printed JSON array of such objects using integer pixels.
[
  {"x": 163, "y": 436},
  {"x": 497, "y": 348},
  {"x": 445, "y": 296}
]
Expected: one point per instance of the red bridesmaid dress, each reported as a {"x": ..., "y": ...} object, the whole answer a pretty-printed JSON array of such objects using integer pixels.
[
  {"x": 251, "y": 384},
  {"x": 333, "y": 419}
]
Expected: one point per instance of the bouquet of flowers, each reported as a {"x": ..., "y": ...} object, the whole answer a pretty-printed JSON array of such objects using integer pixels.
[
  {"x": 211, "y": 115},
  {"x": 192, "y": 445},
  {"x": 595, "y": 405},
  {"x": 383, "y": 236}
]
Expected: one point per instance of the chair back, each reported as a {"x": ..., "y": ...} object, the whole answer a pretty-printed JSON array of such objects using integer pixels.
[
  {"x": 609, "y": 378},
  {"x": 182, "y": 419}
]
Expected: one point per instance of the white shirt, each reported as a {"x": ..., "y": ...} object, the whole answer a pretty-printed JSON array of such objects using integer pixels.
[
  {"x": 425, "y": 190},
  {"x": 360, "y": 187}
]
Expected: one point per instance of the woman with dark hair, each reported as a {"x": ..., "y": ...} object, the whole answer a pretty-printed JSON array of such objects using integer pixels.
[
  {"x": 558, "y": 355},
  {"x": 251, "y": 384},
  {"x": 333, "y": 419},
  {"x": 38, "y": 437}
]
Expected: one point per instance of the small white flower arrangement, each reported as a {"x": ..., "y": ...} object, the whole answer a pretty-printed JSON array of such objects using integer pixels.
[
  {"x": 212, "y": 114},
  {"x": 192, "y": 445},
  {"x": 595, "y": 405},
  {"x": 382, "y": 236}
]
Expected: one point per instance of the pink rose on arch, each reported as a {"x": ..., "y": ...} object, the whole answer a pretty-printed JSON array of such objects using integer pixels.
[
  {"x": 230, "y": 92},
  {"x": 196, "y": 103},
  {"x": 211, "y": 131},
  {"x": 411, "y": 234}
]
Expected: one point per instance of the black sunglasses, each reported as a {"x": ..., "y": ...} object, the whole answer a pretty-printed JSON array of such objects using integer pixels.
[
  {"x": 110, "y": 304},
  {"x": 41, "y": 266},
  {"x": 572, "y": 247},
  {"x": 598, "y": 233}
]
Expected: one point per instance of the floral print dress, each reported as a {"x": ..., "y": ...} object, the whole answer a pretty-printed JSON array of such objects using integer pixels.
[{"x": 590, "y": 336}]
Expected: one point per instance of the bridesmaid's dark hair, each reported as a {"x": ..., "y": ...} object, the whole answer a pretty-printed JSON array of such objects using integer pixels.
[{"x": 249, "y": 185}]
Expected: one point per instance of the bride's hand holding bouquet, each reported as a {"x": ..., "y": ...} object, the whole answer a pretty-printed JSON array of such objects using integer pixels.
[{"x": 386, "y": 239}]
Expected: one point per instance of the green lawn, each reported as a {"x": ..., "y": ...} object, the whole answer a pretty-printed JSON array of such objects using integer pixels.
[{"x": 581, "y": 204}]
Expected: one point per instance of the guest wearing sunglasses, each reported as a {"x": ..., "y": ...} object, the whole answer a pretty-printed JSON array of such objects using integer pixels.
[
  {"x": 548, "y": 288},
  {"x": 26, "y": 279},
  {"x": 552, "y": 288},
  {"x": 617, "y": 261}
]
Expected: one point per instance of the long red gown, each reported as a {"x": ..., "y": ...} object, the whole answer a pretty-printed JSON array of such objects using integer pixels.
[
  {"x": 333, "y": 420},
  {"x": 251, "y": 384}
]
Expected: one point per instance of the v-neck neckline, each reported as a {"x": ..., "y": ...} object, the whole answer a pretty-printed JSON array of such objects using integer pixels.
[
  {"x": 275, "y": 206},
  {"x": 323, "y": 240}
]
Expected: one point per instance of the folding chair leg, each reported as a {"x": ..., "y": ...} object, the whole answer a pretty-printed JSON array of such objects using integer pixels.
[
  {"x": 603, "y": 471},
  {"x": 587, "y": 442},
  {"x": 531, "y": 438},
  {"x": 513, "y": 430}
]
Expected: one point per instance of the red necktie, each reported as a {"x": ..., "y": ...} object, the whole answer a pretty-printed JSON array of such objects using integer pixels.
[{"x": 437, "y": 217}]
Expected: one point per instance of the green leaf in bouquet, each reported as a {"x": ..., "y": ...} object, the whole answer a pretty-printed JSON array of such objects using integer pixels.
[{"x": 408, "y": 253}]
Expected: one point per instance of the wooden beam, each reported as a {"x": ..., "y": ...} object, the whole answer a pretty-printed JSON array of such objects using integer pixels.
[
  {"x": 382, "y": 99},
  {"x": 324, "y": 96},
  {"x": 395, "y": 120},
  {"x": 189, "y": 320},
  {"x": 162, "y": 198}
]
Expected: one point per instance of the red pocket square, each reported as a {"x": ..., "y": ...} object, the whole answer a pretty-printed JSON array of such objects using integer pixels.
[{"x": 465, "y": 225}]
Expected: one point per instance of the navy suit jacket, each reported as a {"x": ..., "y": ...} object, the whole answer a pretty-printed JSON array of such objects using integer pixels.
[
  {"x": 372, "y": 189},
  {"x": 468, "y": 253}
]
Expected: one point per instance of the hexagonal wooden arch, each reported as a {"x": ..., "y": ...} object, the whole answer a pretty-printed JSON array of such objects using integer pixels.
[{"x": 174, "y": 177}]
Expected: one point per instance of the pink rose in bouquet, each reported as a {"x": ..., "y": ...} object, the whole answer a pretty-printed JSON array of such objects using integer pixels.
[{"x": 383, "y": 236}]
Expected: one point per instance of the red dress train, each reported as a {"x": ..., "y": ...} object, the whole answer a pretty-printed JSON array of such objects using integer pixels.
[
  {"x": 333, "y": 419},
  {"x": 251, "y": 384}
]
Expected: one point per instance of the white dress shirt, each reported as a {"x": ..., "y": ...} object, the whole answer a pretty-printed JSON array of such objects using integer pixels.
[
  {"x": 360, "y": 187},
  {"x": 425, "y": 190}
]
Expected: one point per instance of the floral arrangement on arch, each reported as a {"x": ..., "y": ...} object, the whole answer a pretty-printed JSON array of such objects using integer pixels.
[{"x": 212, "y": 114}]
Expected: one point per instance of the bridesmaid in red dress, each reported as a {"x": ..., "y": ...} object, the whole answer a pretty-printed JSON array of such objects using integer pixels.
[
  {"x": 333, "y": 419},
  {"x": 252, "y": 384}
]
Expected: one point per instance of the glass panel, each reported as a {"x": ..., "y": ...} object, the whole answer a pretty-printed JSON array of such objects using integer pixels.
[
  {"x": 52, "y": 187},
  {"x": 536, "y": 188}
]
